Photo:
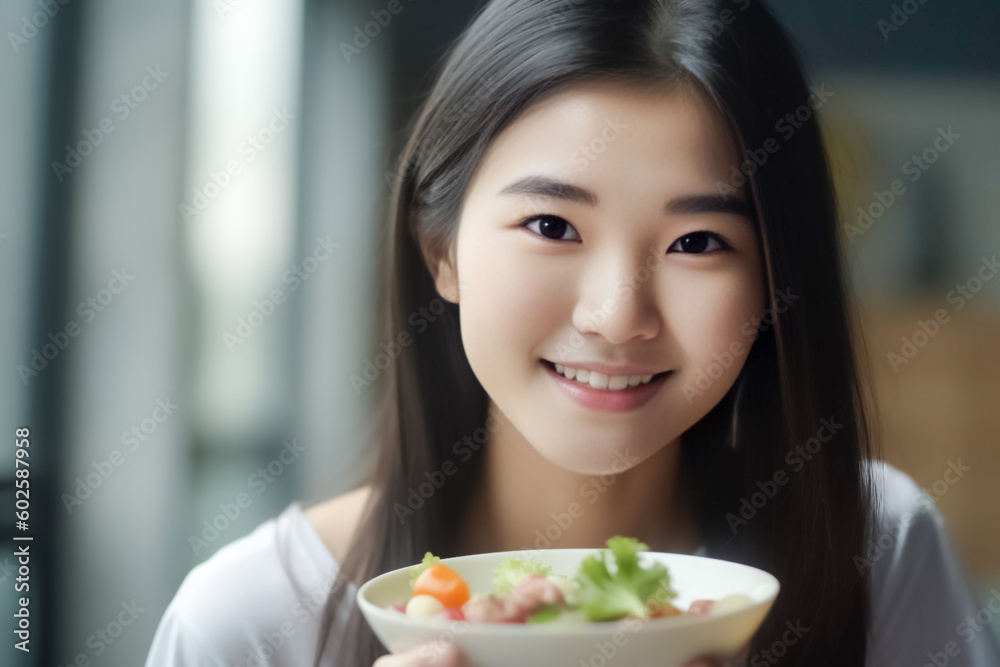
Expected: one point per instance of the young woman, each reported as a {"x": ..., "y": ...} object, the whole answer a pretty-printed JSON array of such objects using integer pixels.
[{"x": 622, "y": 214}]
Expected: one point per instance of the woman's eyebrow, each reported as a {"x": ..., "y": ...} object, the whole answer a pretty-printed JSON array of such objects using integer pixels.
[
  {"x": 710, "y": 203},
  {"x": 543, "y": 186}
]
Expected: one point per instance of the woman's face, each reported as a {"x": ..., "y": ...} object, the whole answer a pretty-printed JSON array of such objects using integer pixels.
[{"x": 596, "y": 234}]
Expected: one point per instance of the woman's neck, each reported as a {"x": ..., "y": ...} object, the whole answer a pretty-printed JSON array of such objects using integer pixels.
[{"x": 527, "y": 502}]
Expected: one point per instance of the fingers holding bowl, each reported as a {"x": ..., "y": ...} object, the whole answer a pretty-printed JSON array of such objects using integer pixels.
[{"x": 429, "y": 654}]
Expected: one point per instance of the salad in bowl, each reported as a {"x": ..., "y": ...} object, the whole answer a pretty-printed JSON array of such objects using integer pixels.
[
  {"x": 555, "y": 607},
  {"x": 526, "y": 591}
]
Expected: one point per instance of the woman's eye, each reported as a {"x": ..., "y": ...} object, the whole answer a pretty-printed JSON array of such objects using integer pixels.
[
  {"x": 699, "y": 243},
  {"x": 552, "y": 227}
]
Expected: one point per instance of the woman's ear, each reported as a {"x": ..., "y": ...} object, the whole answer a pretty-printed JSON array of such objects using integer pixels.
[
  {"x": 446, "y": 280},
  {"x": 443, "y": 269}
]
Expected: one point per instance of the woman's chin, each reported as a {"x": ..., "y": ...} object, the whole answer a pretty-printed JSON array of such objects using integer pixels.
[{"x": 592, "y": 457}]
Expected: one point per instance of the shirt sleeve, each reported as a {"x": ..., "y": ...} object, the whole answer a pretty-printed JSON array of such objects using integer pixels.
[
  {"x": 922, "y": 609},
  {"x": 177, "y": 644}
]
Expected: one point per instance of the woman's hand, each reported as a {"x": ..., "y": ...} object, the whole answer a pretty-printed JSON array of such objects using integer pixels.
[
  {"x": 430, "y": 654},
  {"x": 735, "y": 660},
  {"x": 440, "y": 654}
]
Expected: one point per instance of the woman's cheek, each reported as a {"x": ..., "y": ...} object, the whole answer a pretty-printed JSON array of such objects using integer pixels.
[
  {"x": 713, "y": 329},
  {"x": 509, "y": 307}
]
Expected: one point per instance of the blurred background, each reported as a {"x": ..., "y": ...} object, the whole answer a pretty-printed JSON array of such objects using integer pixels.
[{"x": 193, "y": 193}]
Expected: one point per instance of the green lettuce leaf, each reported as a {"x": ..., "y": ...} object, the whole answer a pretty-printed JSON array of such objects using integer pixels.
[
  {"x": 546, "y": 614},
  {"x": 607, "y": 597},
  {"x": 512, "y": 570}
]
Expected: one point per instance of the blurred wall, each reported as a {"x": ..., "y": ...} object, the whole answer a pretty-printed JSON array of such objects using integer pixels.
[{"x": 915, "y": 160}]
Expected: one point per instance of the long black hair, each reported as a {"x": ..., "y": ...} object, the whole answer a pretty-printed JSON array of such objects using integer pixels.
[{"x": 801, "y": 375}]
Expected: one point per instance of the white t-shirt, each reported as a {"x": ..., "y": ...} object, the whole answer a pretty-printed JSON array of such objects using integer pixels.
[{"x": 244, "y": 608}]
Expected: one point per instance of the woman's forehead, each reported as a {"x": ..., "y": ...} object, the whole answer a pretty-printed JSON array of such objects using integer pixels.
[{"x": 603, "y": 133}]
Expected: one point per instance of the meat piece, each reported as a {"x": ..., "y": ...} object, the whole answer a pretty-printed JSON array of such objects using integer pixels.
[
  {"x": 701, "y": 606},
  {"x": 485, "y": 609},
  {"x": 532, "y": 593}
]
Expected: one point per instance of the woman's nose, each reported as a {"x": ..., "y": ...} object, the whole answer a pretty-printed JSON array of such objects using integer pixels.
[{"x": 618, "y": 300}]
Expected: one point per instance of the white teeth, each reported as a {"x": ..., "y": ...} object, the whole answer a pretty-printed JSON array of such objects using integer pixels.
[
  {"x": 600, "y": 380},
  {"x": 617, "y": 382}
]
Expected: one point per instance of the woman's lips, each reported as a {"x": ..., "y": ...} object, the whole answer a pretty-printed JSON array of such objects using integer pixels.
[{"x": 621, "y": 400}]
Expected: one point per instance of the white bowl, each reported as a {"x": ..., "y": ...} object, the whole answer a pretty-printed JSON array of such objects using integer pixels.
[{"x": 663, "y": 642}]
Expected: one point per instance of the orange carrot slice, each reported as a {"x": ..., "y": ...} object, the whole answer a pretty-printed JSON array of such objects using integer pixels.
[{"x": 442, "y": 582}]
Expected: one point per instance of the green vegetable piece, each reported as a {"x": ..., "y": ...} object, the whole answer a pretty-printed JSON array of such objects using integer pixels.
[
  {"x": 512, "y": 570},
  {"x": 549, "y": 612},
  {"x": 417, "y": 570},
  {"x": 607, "y": 597}
]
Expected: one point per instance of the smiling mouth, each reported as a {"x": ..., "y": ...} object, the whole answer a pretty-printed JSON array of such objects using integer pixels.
[{"x": 601, "y": 381}]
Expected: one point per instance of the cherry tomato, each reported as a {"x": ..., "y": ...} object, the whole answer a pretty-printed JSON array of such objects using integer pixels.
[{"x": 442, "y": 582}]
